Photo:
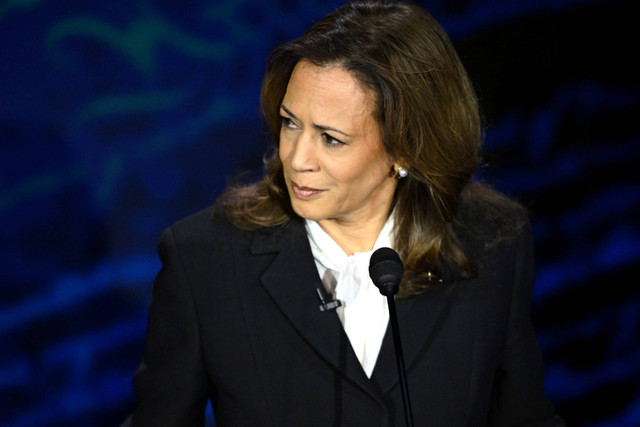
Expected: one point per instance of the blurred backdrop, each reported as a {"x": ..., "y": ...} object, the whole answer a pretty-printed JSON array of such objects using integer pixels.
[{"x": 119, "y": 117}]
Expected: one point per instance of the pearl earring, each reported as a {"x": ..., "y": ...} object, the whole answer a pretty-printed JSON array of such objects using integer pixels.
[{"x": 402, "y": 172}]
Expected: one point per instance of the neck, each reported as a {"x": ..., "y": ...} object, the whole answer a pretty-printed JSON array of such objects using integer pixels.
[{"x": 354, "y": 237}]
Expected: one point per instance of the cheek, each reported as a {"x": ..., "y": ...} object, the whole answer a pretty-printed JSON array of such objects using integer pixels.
[
  {"x": 362, "y": 171},
  {"x": 282, "y": 150},
  {"x": 284, "y": 147},
  {"x": 346, "y": 175}
]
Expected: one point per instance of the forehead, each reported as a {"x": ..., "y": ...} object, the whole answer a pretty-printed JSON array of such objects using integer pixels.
[{"x": 327, "y": 89}]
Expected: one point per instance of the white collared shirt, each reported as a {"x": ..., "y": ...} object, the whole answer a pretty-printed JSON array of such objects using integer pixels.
[{"x": 364, "y": 312}]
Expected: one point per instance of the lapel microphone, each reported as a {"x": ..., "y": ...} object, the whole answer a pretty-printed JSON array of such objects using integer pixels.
[
  {"x": 386, "y": 270},
  {"x": 327, "y": 305}
]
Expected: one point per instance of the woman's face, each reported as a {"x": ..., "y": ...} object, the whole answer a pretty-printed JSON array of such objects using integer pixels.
[{"x": 335, "y": 166}]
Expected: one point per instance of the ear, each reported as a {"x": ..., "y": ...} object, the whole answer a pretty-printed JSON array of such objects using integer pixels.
[
  {"x": 400, "y": 171},
  {"x": 399, "y": 163}
]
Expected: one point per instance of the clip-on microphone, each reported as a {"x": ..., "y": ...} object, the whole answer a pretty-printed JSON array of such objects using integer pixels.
[
  {"x": 386, "y": 270},
  {"x": 327, "y": 305}
]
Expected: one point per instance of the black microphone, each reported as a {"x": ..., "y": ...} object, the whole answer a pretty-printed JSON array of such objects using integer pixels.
[
  {"x": 386, "y": 270},
  {"x": 327, "y": 305}
]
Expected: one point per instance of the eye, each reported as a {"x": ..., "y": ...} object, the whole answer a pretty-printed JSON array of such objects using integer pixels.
[
  {"x": 330, "y": 141},
  {"x": 288, "y": 123}
]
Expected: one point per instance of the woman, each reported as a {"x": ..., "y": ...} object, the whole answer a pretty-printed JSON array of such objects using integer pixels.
[{"x": 376, "y": 136}]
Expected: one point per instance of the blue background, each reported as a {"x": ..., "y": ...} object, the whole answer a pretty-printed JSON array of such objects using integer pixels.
[{"x": 118, "y": 118}]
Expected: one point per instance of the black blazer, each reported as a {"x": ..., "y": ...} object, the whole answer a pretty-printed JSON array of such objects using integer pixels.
[{"x": 235, "y": 317}]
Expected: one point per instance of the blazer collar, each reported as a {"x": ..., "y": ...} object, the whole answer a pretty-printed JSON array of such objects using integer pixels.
[{"x": 292, "y": 279}]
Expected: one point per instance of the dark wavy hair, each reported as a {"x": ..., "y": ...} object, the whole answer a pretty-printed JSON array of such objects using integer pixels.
[{"x": 428, "y": 112}]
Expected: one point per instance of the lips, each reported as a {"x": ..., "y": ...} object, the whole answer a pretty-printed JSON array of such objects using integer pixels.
[{"x": 305, "y": 193}]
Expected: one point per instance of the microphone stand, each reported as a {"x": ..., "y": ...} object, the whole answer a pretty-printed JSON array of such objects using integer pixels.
[
  {"x": 393, "y": 318},
  {"x": 386, "y": 270}
]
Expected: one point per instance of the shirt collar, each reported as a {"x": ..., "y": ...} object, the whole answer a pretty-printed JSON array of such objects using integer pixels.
[{"x": 328, "y": 253}]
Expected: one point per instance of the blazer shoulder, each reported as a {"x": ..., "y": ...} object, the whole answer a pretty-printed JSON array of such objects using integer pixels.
[
  {"x": 194, "y": 236},
  {"x": 209, "y": 222},
  {"x": 211, "y": 227}
]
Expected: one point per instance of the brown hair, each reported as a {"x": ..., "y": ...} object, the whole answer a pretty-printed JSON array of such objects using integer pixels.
[{"x": 427, "y": 110}]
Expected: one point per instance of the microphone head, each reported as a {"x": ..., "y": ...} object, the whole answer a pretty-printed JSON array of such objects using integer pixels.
[{"x": 386, "y": 270}]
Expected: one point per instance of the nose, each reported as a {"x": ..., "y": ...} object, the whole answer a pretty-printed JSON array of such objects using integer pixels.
[{"x": 303, "y": 156}]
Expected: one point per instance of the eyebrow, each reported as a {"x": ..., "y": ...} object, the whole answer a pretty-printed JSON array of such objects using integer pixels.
[{"x": 317, "y": 126}]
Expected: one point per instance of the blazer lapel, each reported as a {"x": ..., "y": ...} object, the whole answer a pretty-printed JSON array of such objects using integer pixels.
[
  {"x": 291, "y": 280},
  {"x": 419, "y": 318}
]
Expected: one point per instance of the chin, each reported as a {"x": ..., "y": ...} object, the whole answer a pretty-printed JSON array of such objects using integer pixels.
[{"x": 306, "y": 213}]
